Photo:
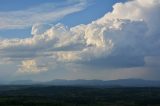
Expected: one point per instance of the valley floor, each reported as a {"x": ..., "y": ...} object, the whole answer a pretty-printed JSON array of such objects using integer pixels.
[{"x": 78, "y": 96}]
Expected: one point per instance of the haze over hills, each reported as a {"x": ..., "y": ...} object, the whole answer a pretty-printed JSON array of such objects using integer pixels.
[{"x": 82, "y": 82}]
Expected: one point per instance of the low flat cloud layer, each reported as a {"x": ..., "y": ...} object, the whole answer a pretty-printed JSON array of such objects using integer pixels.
[{"x": 122, "y": 39}]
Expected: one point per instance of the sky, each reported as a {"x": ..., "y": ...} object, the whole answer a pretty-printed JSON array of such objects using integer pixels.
[{"x": 43, "y": 40}]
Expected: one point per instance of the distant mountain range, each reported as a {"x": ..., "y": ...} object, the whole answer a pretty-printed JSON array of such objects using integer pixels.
[{"x": 81, "y": 82}]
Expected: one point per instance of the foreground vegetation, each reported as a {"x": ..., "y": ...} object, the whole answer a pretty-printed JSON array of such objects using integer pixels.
[{"x": 78, "y": 96}]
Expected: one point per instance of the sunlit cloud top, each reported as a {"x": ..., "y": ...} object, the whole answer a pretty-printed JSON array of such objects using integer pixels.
[{"x": 124, "y": 43}]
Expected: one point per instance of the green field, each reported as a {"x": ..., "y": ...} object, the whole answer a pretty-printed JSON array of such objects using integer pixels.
[{"x": 78, "y": 96}]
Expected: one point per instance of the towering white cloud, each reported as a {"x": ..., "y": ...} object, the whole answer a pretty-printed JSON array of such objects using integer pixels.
[
  {"x": 146, "y": 10},
  {"x": 125, "y": 34}
]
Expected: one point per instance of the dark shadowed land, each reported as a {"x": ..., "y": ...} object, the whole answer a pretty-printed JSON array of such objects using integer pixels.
[{"x": 78, "y": 94}]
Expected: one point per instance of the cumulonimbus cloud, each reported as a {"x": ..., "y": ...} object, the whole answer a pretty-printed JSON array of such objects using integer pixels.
[{"x": 125, "y": 34}]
